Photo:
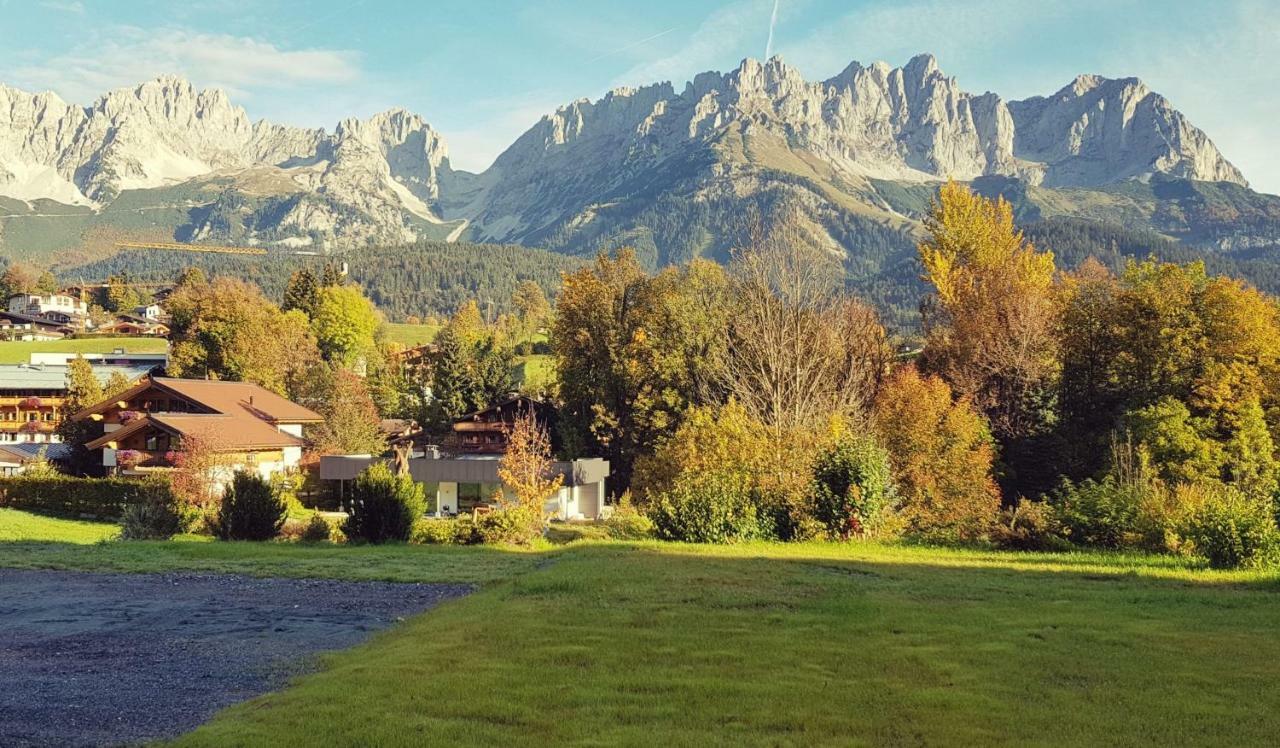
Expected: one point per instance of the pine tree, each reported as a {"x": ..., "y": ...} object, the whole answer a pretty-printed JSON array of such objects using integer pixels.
[{"x": 302, "y": 293}]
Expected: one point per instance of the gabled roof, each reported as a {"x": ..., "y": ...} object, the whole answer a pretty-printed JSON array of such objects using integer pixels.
[
  {"x": 222, "y": 432},
  {"x": 228, "y": 398}
]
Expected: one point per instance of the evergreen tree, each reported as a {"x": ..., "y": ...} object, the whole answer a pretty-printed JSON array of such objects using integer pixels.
[{"x": 302, "y": 293}]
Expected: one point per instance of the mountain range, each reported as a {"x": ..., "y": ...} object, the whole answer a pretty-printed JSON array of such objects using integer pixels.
[{"x": 670, "y": 172}]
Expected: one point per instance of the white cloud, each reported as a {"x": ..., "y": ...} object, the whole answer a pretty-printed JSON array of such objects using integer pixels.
[{"x": 125, "y": 56}]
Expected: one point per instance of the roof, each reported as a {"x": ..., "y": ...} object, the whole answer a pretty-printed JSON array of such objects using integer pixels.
[
  {"x": 236, "y": 432},
  {"x": 54, "y": 377},
  {"x": 27, "y": 451},
  {"x": 238, "y": 399}
]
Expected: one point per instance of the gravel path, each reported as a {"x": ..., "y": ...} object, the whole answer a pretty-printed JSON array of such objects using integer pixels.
[{"x": 108, "y": 659}]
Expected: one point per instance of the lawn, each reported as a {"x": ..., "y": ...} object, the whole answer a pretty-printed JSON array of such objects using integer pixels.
[
  {"x": 764, "y": 644},
  {"x": 408, "y": 335},
  {"x": 16, "y": 526},
  {"x": 19, "y": 351}
]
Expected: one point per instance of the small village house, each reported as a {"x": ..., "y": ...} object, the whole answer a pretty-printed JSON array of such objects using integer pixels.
[
  {"x": 251, "y": 428},
  {"x": 462, "y": 474}
]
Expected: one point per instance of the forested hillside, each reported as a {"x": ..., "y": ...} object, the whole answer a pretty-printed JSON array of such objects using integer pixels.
[{"x": 427, "y": 278}]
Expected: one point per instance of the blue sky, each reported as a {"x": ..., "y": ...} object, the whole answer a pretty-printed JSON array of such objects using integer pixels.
[{"x": 483, "y": 71}]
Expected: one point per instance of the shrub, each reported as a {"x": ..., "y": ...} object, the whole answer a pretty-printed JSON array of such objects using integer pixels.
[
  {"x": 103, "y": 498},
  {"x": 250, "y": 510},
  {"x": 514, "y": 524},
  {"x": 707, "y": 508},
  {"x": 384, "y": 506},
  {"x": 1029, "y": 526},
  {"x": 853, "y": 490},
  {"x": 317, "y": 530},
  {"x": 1233, "y": 531},
  {"x": 441, "y": 532},
  {"x": 1101, "y": 514},
  {"x": 157, "y": 515},
  {"x": 626, "y": 523}
]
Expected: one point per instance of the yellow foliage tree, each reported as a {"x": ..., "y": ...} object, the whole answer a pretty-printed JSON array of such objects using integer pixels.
[
  {"x": 990, "y": 329},
  {"x": 526, "y": 467}
]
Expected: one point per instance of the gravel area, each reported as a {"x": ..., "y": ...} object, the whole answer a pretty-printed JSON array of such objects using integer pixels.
[{"x": 110, "y": 659}]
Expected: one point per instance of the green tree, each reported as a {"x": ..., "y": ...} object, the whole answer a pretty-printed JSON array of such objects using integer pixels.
[
  {"x": 384, "y": 506},
  {"x": 117, "y": 382},
  {"x": 531, "y": 307},
  {"x": 345, "y": 323},
  {"x": 302, "y": 293},
  {"x": 46, "y": 284}
]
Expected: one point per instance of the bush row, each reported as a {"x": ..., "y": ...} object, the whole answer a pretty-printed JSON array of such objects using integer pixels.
[{"x": 102, "y": 498}]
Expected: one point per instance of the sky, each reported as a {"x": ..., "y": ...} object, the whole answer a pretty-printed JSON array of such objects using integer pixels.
[{"x": 482, "y": 72}]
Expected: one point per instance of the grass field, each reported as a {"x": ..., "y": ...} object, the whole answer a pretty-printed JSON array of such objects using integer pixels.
[
  {"x": 409, "y": 335},
  {"x": 16, "y": 526},
  {"x": 19, "y": 351},
  {"x": 763, "y": 644}
]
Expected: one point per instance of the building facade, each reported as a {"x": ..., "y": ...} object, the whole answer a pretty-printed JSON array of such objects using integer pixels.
[{"x": 32, "y": 397}]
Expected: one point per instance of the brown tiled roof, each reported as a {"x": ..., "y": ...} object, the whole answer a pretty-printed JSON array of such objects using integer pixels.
[
  {"x": 223, "y": 432},
  {"x": 240, "y": 397},
  {"x": 229, "y": 398}
]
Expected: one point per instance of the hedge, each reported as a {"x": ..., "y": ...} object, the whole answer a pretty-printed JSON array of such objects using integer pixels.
[{"x": 102, "y": 498}]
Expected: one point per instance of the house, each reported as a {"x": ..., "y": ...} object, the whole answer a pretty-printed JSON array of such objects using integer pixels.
[
  {"x": 149, "y": 312},
  {"x": 117, "y": 357},
  {"x": 35, "y": 305},
  {"x": 32, "y": 398},
  {"x": 464, "y": 476},
  {"x": 129, "y": 325},
  {"x": 15, "y": 458},
  {"x": 24, "y": 327},
  {"x": 247, "y": 426},
  {"x": 485, "y": 431}
]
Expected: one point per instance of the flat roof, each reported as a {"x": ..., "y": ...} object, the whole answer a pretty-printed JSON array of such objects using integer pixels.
[{"x": 54, "y": 376}]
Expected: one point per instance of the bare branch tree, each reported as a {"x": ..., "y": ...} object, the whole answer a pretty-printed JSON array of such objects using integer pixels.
[{"x": 800, "y": 348}]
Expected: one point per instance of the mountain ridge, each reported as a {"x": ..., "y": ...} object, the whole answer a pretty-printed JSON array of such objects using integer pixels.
[{"x": 669, "y": 170}]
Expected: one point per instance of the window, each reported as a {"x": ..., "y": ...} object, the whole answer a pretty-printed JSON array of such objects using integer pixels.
[{"x": 469, "y": 496}]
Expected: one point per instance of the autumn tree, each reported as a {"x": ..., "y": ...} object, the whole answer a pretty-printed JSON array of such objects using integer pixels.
[
  {"x": 800, "y": 350},
  {"x": 527, "y": 468},
  {"x": 532, "y": 309},
  {"x": 989, "y": 327},
  {"x": 351, "y": 422},
  {"x": 17, "y": 279},
  {"x": 633, "y": 352},
  {"x": 116, "y": 383},
  {"x": 1187, "y": 363},
  {"x": 83, "y": 391},
  {"x": 941, "y": 452},
  {"x": 226, "y": 329}
]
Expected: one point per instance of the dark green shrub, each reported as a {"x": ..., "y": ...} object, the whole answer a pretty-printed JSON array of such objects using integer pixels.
[
  {"x": 1233, "y": 531},
  {"x": 250, "y": 510},
  {"x": 103, "y": 498},
  {"x": 384, "y": 506},
  {"x": 705, "y": 508},
  {"x": 1099, "y": 514},
  {"x": 156, "y": 514},
  {"x": 853, "y": 490},
  {"x": 317, "y": 530}
]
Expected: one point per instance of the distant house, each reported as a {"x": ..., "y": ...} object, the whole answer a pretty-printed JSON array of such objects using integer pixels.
[
  {"x": 250, "y": 427},
  {"x": 32, "y": 398},
  {"x": 129, "y": 325},
  {"x": 150, "y": 312},
  {"x": 24, "y": 327},
  {"x": 34, "y": 305},
  {"x": 463, "y": 477},
  {"x": 117, "y": 357}
]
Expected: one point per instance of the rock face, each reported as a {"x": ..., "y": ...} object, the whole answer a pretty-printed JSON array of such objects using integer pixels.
[
  {"x": 597, "y": 172},
  {"x": 908, "y": 124},
  {"x": 370, "y": 180}
]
